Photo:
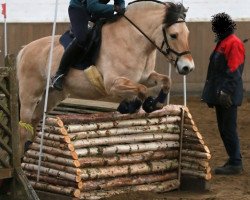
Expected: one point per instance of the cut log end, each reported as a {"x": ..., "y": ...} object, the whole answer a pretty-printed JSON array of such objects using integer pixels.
[
  {"x": 59, "y": 122},
  {"x": 77, "y": 193},
  {"x": 76, "y": 163},
  {"x": 67, "y": 139},
  {"x": 78, "y": 179},
  {"x": 71, "y": 147},
  {"x": 63, "y": 131},
  {"x": 74, "y": 155}
]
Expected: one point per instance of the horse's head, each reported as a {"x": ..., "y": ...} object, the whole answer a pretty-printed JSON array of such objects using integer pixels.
[
  {"x": 163, "y": 25},
  {"x": 176, "y": 36}
]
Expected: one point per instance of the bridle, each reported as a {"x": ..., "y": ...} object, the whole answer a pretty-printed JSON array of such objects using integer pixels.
[{"x": 165, "y": 42}]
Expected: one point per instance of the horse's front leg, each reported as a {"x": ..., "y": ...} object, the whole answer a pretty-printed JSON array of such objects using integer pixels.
[
  {"x": 132, "y": 93},
  {"x": 157, "y": 80}
]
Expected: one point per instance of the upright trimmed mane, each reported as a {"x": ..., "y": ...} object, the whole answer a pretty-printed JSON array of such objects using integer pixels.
[{"x": 174, "y": 12}]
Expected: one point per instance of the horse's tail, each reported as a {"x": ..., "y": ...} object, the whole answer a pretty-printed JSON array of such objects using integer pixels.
[
  {"x": 18, "y": 68},
  {"x": 18, "y": 62}
]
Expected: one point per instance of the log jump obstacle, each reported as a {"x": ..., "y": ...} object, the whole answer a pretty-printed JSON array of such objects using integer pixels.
[
  {"x": 12, "y": 179},
  {"x": 92, "y": 156}
]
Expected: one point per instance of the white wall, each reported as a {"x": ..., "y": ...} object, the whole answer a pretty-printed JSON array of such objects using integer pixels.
[{"x": 43, "y": 10}]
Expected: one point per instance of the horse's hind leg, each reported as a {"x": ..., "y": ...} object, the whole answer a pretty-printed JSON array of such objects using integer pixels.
[{"x": 132, "y": 93}]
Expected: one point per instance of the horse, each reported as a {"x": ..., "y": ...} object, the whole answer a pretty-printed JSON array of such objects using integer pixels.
[{"x": 126, "y": 64}]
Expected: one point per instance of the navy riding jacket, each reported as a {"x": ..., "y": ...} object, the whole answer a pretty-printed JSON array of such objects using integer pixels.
[
  {"x": 98, "y": 8},
  {"x": 225, "y": 71}
]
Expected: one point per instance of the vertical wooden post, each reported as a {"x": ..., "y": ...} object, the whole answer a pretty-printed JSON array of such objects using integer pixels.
[
  {"x": 14, "y": 118},
  {"x": 180, "y": 142}
]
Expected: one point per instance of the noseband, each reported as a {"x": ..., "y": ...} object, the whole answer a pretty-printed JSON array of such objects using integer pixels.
[{"x": 168, "y": 49}]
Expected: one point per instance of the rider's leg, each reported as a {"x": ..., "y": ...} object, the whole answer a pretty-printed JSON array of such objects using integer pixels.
[
  {"x": 79, "y": 18},
  {"x": 71, "y": 54}
]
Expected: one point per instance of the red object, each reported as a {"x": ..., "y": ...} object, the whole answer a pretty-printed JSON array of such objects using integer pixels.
[{"x": 4, "y": 9}]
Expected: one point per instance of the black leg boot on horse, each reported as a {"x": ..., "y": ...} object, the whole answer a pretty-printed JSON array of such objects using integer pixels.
[{"x": 71, "y": 55}]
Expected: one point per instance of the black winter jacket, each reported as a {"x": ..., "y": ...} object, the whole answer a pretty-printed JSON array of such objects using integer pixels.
[{"x": 225, "y": 71}]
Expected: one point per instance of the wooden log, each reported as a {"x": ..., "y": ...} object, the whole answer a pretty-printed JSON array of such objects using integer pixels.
[
  {"x": 107, "y": 184},
  {"x": 193, "y": 140},
  {"x": 206, "y": 176},
  {"x": 122, "y": 124},
  {"x": 53, "y": 158},
  {"x": 196, "y": 147},
  {"x": 170, "y": 128},
  {"x": 193, "y": 166},
  {"x": 156, "y": 187},
  {"x": 189, "y": 121},
  {"x": 55, "y": 137},
  {"x": 191, "y": 133},
  {"x": 112, "y": 116},
  {"x": 51, "y": 172},
  {"x": 70, "y": 170},
  {"x": 191, "y": 127},
  {"x": 54, "y": 144},
  {"x": 129, "y": 148},
  {"x": 51, "y": 143},
  {"x": 133, "y": 169},
  {"x": 145, "y": 137},
  {"x": 57, "y": 130},
  {"x": 197, "y": 154},
  {"x": 54, "y": 181},
  {"x": 54, "y": 121},
  {"x": 55, "y": 151},
  {"x": 57, "y": 189},
  {"x": 198, "y": 161},
  {"x": 127, "y": 158}
]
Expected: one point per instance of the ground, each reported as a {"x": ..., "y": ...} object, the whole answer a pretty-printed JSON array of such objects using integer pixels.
[{"x": 221, "y": 187}]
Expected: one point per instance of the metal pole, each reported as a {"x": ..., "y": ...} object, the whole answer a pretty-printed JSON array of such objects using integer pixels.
[
  {"x": 47, "y": 88},
  {"x": 5, "y": 38},
  {"x": 184, "y": 86},
  {"x": 185, "y": 90},
  {"x": 5, "y": 30},
  {"x": 169, "y": 74}
]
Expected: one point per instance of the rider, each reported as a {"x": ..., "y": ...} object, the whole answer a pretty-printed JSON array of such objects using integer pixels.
[{"x": 80, "y": 13}]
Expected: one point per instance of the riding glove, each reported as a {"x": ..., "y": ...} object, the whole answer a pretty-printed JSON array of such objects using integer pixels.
[
  {"x": 119, "y": 9},
  {"x": 225, "y": 100}
]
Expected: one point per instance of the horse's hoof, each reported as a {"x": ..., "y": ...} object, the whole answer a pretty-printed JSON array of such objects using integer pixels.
[
  {"x": 27, "y": 145},
  {"x": 134, "y": 106},
  {"x": 130, "y": 107},
  {"x": 123, "y": 108},
  {"x": 149, "y": 105}
]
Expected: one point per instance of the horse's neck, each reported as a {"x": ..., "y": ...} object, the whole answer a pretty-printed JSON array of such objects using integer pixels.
[{"x": 148, "y": 20}]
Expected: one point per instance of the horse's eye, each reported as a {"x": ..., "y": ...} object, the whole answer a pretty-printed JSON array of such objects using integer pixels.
[{"x": 173, "y": 36}]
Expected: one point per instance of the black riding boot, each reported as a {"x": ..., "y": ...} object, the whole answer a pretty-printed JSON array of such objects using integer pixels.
[{"x": 71, "y": 55}]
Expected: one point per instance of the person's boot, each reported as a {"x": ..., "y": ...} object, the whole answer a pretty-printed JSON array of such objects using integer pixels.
[
  {"x": 228, "y": 169},
  {"x": 71, "y": 55}
]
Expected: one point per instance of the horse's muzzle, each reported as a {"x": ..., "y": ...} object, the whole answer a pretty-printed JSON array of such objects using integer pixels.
[{"x": 184, "y": 67}]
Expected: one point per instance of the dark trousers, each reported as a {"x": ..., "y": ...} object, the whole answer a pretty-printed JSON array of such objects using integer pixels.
[
  {"x": 79, "y": 18},
  {"x": 227, "y": 124}
]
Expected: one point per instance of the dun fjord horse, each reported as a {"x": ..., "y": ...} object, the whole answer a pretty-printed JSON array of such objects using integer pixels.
[{"x": 126, "y": 63}]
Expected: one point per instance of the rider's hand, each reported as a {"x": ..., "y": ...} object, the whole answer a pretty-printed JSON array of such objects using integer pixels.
[{"x": 119, "y": 9}]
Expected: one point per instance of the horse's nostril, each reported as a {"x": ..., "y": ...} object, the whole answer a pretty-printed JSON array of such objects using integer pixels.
[{"x": 185, "y": 70}]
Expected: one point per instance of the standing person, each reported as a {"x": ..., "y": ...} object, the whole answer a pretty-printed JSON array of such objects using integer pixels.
[
  {"x": 224, "y": 88},
  {"x": 80, "y": 13}
]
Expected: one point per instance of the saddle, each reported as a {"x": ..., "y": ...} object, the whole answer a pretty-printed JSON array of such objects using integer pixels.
[{"x": 92, "y": 45}]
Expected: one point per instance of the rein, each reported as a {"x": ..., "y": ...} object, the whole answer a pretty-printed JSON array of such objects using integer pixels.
[{"x": 168, "y": 50}]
